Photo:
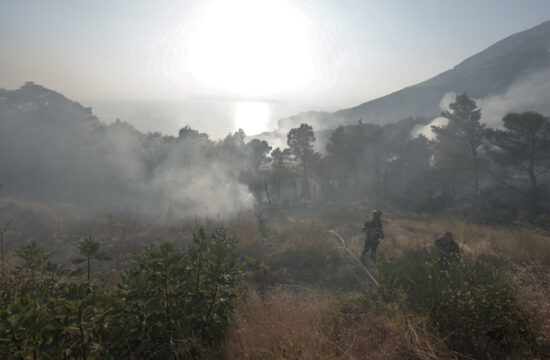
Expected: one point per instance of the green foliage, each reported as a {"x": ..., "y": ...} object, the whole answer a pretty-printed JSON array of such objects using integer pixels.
[
  {"x": 469, "y": 300},
  {"x": 34, "y": 257},
  {"x": 51, "y": 320},
  {"x": 522, "y": 147},
  {"x": 90, "y": 250},
  {"x": 300, "y": 142},
  {"x": 180, "y": 301},
  {"x": 281, "y": 169},
  {"x": 257, "y": 273},
  {"x": 345, "y": 156},
  {"x": 456, "y": 149},
  {"x": 171, "y": 305}
]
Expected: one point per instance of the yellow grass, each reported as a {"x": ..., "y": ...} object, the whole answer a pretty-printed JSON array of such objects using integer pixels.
[
  {"x": 306, "y": 325},
  {"x": 516, "y": 243}
]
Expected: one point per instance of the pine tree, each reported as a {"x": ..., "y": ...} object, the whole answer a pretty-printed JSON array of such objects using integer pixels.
[
  {"x": 456, "y": 149},
  {"x": 300, "y": 141},
  {"x": 523, "y": 145}
]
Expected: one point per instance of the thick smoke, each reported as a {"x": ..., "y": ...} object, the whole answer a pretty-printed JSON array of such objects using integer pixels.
[
  {"x": 54, "y": 150},
  {"x": 202, "y": 187},
  {"x": 426, "y": 130},
  {"x": 528, "y": 94},
  {"x": 531, "y": 93}
]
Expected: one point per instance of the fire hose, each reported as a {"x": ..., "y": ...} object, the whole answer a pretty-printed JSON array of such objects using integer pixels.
[{"x": 343, "y": 247}]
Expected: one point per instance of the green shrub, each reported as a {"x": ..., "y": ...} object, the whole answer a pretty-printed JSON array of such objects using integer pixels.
[
  {"x": 468, "y": 300},
  {"x": 171, "y": 305},
  {"x": 256, "y": 274},
  {"x": 179, "y": 302}
]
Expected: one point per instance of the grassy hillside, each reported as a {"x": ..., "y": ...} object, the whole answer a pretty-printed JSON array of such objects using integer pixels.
[{"x": 302, "y": 296}]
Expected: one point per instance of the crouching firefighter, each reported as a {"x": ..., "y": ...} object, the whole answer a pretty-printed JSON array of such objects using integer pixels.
[
  {"x": 373, "y": 234},
  {"x": 447, "y": 249}
]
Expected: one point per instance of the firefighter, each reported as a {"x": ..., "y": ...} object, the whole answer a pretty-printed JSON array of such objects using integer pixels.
[
  {"x": 373, "y": 233},
  {"x": 447, "y": 245}
]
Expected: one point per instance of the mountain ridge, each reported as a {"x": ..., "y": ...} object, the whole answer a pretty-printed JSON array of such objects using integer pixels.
[{"x": 489, "y": 72}]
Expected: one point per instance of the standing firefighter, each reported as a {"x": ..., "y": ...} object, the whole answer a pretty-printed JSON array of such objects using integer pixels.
[{"x": 374, "y": 233}]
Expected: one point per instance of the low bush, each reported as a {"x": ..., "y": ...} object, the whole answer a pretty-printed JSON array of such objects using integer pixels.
[
  {"x": 170, "y": 304},
  {"x": 467, "y": 299}
]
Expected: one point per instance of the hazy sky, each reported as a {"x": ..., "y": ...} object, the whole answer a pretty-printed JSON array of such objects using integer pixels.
[{"x": 316, "y": 54}]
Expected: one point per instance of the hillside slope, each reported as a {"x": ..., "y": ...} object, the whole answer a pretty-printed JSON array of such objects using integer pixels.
[{"x": 488, "y": 73}]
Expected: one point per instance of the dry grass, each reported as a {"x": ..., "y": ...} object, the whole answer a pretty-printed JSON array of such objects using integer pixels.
[
  {"x": 518, "y": 244},
  {"x": 309, "y": 324},
  {"x": 528, "y": 249},
  {"x": 306, "y": 325},
  {"x": 58, "y": 227},
  {"x": 406, "y": 230}
]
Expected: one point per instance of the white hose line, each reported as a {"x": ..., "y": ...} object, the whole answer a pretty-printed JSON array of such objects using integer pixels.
[{"x": 354, "y": 256}]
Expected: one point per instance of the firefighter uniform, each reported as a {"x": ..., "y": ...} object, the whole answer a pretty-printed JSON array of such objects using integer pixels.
[{"x": 373, "y": 233}]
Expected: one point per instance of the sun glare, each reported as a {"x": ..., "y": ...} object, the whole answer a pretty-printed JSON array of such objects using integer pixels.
[
  {"x": 252, "y": 117},
  {"x": 250, "y": 47}
]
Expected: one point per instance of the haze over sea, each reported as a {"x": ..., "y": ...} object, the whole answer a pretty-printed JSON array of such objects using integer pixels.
[{"x": 215, "y": 117}]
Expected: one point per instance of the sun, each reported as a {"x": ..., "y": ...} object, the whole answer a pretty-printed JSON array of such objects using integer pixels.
[
  {"x": 250, "y": 48},
  {"x": 252, "y": 117}
]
